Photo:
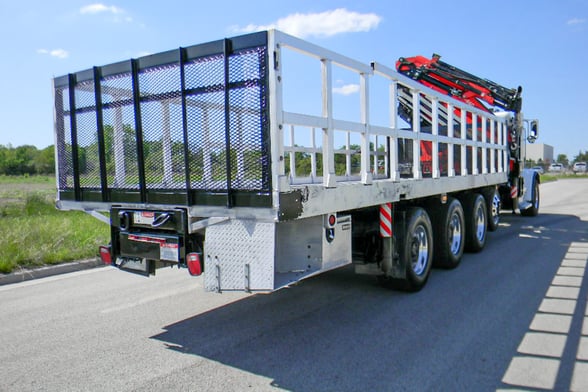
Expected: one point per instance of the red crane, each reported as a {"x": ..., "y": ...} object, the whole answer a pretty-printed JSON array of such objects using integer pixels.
[
  {"x": 449, "y": 80},
  {"x": 461, "y": 85}
]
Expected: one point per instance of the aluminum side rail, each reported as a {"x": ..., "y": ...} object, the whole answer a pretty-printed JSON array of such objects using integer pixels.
[{"x": 470, "y": 153}]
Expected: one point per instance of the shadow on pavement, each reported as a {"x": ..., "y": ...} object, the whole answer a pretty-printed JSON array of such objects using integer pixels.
[{"x": 341, "y": 331}]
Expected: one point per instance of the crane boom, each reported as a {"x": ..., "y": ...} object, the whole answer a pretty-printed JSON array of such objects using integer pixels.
[{"x": 457, "y": 83}]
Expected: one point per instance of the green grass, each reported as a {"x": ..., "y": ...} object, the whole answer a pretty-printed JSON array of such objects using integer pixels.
[
  {"x": 34, "y": 233},
  {"x": 547, "y": 177}
]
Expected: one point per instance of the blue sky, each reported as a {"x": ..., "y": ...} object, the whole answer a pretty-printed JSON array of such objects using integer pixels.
[{"x": 539, "y": 44}]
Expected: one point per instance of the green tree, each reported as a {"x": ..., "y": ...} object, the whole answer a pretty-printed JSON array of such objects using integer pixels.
[
  {"x": 26, "y": 156},
  {"x": 563, "y": 159},
  {"x": 45, "y": 161},
  {"x": 3, "y": 159},
  {"x": 18, "y": 161},
  {"x": 581, "y": 157},
  {"x": 26, "y": 160}
]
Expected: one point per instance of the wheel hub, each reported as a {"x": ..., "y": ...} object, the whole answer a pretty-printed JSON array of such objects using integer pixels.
[
  {"x": 419, "y": 250},
  {"x": 454, "y": 234}
]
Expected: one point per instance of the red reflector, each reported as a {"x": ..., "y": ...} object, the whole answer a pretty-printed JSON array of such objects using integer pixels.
[
  {"x": 332, "y": 220},
  {"x": 105, "y": 255},
  {"x": 194, "y": 264},
  {"x": 514, "y": 191}
]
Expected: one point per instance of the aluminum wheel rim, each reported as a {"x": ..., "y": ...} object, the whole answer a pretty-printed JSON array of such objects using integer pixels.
[
  {"x": 480, "y": 224},
  {"x": 454, "y": 234},
  {"x": 419, "y": 251}
]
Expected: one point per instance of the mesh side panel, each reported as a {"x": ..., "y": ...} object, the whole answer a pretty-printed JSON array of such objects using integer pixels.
[
  {"x": 249, "y": 159},
  {"x": 161, "y": 116},
  {"x": 63, "y": 139},
  {"x": 119, "y": 132},
  {"x": 87, "y": 133},
  {"x": 64, "y": 99},
  {"x": 205, "y": 122},
  {"x": 220, "y": 160}
]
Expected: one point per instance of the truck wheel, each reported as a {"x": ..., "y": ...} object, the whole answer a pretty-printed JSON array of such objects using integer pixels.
[
  {"x": 416, "y": 252},
  {"x": 534, "y": 209},
  {"x": 494, "y": 205},
  {"x": 475, "y": 222},
  {"x": 448, "y": 235}
]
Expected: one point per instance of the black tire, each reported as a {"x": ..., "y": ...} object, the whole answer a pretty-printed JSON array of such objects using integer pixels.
[
  {"x": 476, "y": 218},
  {"x": 493, "y": 203},
  {"x": 416, "y": 251},
  {"x": 448, "y": 233},
  {"x": 534, "y": 209}
]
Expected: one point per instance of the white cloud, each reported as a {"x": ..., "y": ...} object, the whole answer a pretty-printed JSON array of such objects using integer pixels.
[
  {"x": 346, "y": 89},
  {"x": 116, "y": 14},
  {"x": 575, "y": 21},
  {"x": 323, "y": 24},
  {"x": 99, "y": 7},
  {"x": 59, "y": 53}
]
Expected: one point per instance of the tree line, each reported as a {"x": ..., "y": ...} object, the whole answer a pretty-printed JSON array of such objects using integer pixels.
[
  {"x": 26, "y": 160},
  {"x": 29, "y": 160},
  {"x": 581, "y": 157}
]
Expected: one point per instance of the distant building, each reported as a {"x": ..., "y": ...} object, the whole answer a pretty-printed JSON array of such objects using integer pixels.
[{"x": 540, "y": 151}]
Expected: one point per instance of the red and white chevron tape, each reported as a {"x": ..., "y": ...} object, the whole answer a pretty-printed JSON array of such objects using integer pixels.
[{"x": 386, "y": 220}]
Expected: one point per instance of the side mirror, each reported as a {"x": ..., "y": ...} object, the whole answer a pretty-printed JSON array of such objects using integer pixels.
[{"x": 533, "y": 131}]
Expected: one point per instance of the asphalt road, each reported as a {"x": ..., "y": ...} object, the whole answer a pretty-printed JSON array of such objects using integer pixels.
[{"x": 513, "y": 316}]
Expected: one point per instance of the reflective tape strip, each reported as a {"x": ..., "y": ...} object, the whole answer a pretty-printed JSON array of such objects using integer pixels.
[
  {"x": 513, "y": 191},
  {"x": 386, "y": 220}
]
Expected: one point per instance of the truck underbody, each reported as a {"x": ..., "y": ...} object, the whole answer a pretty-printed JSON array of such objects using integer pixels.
[{"x": 201, "y": 162}]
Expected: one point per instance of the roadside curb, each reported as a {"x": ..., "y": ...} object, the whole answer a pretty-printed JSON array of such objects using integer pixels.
[{"x": 43, "y": 272}]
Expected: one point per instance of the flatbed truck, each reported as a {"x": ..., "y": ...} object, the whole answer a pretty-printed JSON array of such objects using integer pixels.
[{"x": 238, "y": 160}]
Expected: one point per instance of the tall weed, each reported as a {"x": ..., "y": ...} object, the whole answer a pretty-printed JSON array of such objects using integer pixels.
[{"x": 34, "y": 233}]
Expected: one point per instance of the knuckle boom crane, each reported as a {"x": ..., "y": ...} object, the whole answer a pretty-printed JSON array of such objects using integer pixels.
[
  {"x": 459, "y": 84},
  {"x": 481, "y": 93}
]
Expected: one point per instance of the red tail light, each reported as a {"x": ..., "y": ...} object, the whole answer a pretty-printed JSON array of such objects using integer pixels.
[
  {"x": 194, "y": 264},
  {"x": 332, "y": 220},
  {"x": 105, "y": 254}
]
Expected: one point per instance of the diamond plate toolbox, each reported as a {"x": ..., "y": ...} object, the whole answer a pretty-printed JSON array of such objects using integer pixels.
[{"x": 239, "y": 255}]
